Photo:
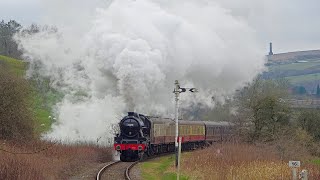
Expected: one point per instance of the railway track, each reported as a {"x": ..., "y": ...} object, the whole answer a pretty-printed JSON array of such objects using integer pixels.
[
  {"x": 116, "y": 171},
  {"x": 119, "y": 170}
]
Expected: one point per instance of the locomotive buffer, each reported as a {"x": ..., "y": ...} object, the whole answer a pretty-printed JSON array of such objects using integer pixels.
[{"x": 177, "y": 91}]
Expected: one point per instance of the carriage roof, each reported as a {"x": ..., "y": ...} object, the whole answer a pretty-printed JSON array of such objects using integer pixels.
[{"x": 159, "y": 120}]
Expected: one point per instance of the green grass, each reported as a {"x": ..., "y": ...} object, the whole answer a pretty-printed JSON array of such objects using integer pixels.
[
  {"x": 17, "y": 66},
  {"x": 294, "y": 66},
  {"x": 160, "y": 169},
  {"x": 316, "y": 162},
  {"x": 296, "y": 80},
  {"x": 41, "y": 113},
  {"x": 40, "y": 110},
  {"x": 303, "y": 78}
]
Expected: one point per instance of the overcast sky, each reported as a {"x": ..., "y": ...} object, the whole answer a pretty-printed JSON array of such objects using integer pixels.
[
  {"x": 23, "y": 11},
  {"x": 290, "y": 24}
]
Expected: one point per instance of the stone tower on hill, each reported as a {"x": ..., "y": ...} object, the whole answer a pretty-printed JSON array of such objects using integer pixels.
[{"x": 270, "y": 51}]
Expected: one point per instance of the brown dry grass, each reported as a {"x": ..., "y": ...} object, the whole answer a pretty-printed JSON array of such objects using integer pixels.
[
  {"x": 57, "y": 162},
  {"x": 240, "y": 162}
]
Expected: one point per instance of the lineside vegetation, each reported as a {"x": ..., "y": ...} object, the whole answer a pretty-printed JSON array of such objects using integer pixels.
[
  {"x": 268, "y": 133},
  {"x": 241, "y": 162},
  {"x": 22, "y": 113},
  {"x": 55, "y": 162},
  {"x": 16, "y": 121}
]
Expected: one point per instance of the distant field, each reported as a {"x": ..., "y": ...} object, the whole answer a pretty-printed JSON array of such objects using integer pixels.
[
  {"x": 41, "y": 112},
  {"x": 295, "y": 66},
  {"x": 297, "y": 73},
  {"x": 303, "y": 78}
]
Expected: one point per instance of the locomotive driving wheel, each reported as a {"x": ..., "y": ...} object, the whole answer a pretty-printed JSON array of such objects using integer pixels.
[{"x": 150, "y": 151}]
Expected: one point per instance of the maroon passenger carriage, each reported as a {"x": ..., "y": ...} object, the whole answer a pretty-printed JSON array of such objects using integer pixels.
[{"x": 141, "y": 134}]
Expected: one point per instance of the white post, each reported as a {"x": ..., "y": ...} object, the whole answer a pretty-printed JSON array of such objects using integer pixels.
[
  {"x": 177, "y": 92},
  {"x": 294, "y": 165},
  {"x": 179, "y": 158},
  {"x": 294, "y": 173}
]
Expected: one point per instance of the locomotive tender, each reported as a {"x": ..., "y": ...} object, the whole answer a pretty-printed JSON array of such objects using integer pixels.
[{"x": 141, "y": 134}]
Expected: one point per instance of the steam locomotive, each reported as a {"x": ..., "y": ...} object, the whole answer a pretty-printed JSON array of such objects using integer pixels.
[{"x": 140, "y": 134}]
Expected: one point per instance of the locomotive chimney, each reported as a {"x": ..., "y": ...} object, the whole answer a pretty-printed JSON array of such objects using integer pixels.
[{"x": 270, "y": 51}]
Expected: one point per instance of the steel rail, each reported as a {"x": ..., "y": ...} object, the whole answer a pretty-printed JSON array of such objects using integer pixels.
[
  {"x": 104, "y": 168},
  {"x": 127, "y": 172}
]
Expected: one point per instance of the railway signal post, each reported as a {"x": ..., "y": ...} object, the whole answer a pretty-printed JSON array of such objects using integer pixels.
[{"x": 177, "y": 91}]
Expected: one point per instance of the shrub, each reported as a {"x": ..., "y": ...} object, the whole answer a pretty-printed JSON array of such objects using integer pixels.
[
  {"x": 309, "y": 120},
  {"x": 45, "y": 160}
]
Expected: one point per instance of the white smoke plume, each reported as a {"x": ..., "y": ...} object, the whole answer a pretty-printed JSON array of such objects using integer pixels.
[{"x": 124, "y": 55}]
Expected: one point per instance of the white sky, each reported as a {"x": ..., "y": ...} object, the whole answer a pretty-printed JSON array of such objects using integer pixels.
[
  {"x": 23, "y": 11},
  {"x": 290, "y": 24}
]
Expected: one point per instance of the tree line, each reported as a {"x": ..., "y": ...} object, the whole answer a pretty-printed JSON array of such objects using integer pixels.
[
  {"x": 8, "y": 30},
  {"x": 261, "y": 115}
]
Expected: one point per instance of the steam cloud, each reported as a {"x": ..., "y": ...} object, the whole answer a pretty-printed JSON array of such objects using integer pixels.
[{"x": 109, "y": 58}]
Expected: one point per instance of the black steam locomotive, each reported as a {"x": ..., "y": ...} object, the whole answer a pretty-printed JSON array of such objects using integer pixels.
[{"x": 141, "y": 135}]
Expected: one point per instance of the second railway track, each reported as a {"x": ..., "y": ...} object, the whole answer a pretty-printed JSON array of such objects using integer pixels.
[{"x": 116, "y": 171}]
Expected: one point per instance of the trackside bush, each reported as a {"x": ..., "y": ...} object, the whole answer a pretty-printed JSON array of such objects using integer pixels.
[{"x": 16, "y": 120}]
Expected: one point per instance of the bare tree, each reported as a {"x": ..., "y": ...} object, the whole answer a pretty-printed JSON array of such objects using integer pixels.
[{"x": 263, "y": 109}]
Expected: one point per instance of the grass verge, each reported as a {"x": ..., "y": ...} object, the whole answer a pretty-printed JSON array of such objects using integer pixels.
[{"x": 160, "y": 169}]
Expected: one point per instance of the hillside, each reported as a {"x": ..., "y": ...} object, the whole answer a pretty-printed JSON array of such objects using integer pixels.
[
  {"x": 15, "y": 65},
  {"x": 40, "y": 111},
  {"x": 299, "y": 68},
  {"x": 294, "y": 56}
]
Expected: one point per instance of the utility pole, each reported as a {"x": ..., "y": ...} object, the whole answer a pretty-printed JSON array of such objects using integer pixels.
[{"x": 177, "y": 91}]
